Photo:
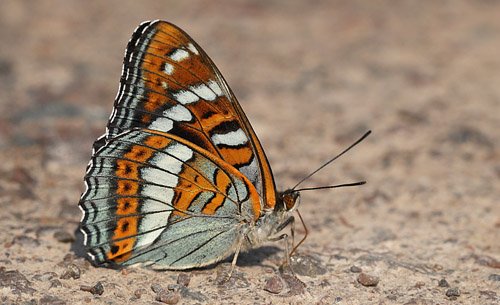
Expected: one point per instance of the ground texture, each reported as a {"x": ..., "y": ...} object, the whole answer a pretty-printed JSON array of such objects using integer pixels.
[{"x": 312, "y": 76}]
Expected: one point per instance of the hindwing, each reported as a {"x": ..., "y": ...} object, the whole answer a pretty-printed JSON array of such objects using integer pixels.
[
  {"x": 153, "y": 196},
  {"x": 169, "y": 84}
]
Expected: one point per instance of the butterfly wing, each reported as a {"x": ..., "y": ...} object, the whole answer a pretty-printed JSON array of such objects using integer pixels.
[
  {"x": 153, "y": 196},
  {"x": 169, "y": 84}
]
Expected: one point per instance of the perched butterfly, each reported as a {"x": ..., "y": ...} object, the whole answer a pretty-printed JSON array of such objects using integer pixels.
[{"x": 179, "y": 179}]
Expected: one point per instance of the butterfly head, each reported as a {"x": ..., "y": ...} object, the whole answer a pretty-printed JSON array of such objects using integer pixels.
[{"x": 288, "y": 200}]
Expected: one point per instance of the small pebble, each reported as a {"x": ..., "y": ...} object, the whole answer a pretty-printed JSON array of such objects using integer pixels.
[
  {"x": 306, "y": 265},
  {"x": 183, "y": 279},
  {"x": 139, "y": 292},
  {"x": 453, "y": 292},
  {"x": 494, "y": 277},
  {"x": 166, "y": 297},
  {"x": 443, "y": 283},
  {"x": 71, "y": 271},
  {"x": 64, "y": 237},
  {"x": 274, "y": 285},
  {"x": 419, "y": 284},
  {"x": 356, "y": 269},
  {"x": 156, "y": 287},
  {"x": 296, "y": 286},
  {"x": 85, "y": 288},
  {"x": 96, "y": 289},
  {"x": 368, "y": 280},
  {"x": 69, "y": 257}
]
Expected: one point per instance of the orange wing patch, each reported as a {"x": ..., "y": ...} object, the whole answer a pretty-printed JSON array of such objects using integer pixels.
[
  {"x": 127, "y": 206},
  {"x": 223, "y": 182},
  {"x": 139, "y": 153},
  {"x": 127, "y": 169},
  {"x": 157, "y": 142},
  {"x": 122, "y": 249}
]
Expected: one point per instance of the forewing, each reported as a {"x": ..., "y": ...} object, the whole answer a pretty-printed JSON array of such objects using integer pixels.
[{"x": 169, "y": 84}]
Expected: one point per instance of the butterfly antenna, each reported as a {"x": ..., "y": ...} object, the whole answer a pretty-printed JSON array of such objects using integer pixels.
[
  {"x": 330, "y": 186},
  {"x": 333, "y": 159}
]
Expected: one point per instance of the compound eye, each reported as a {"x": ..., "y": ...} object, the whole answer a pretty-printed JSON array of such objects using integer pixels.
[{"x": 289, "y": 201}]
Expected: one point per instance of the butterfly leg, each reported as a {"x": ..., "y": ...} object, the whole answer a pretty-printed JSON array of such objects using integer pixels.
[
  {"x": 292, "y": 232},
  {"x": 285, "y": 238},
  {"x": 306, "y": 232},
  {"x": 233, "y": 264},
  {"x": 289, "y": 221},
  {"x": 286, "y": 269},
  {"x": 287, "y": 273}
]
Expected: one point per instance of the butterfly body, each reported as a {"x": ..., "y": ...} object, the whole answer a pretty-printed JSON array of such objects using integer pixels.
[{"x": 179, "y": 179}]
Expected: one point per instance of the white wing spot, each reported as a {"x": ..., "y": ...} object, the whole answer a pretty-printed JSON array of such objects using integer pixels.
[
  {"x": 155, "y": 192},
  {"x": 232, "y": 138},
  {"x": 179, "y": 55},
  {"x": 193, "y": 49},
  {"x": 162, "y": 124},
  {"x": 204, "y": 92},
  {"x": 215, "y": 87},
  {"x": 155, "y": 215},
  {"x": 186, "y": 97},
  {"x": 169, "y": 69},
  {"x": 178, "y": 113},
  {"x": 159, "y": 177},
  {"x": 180, "y": 151}
]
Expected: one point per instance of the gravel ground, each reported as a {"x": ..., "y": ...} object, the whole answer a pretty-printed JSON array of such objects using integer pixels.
[{"x": 312, "y": 76}]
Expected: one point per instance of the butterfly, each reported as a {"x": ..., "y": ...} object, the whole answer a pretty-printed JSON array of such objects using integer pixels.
[{"x": 179, "y": 180}]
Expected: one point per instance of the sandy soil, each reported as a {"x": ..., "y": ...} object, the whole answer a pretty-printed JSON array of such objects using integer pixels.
[{"x": 312, "y": 76}]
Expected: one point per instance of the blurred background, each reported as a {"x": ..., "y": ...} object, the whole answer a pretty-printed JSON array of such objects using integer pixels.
[{"x": 312, "y": 76}]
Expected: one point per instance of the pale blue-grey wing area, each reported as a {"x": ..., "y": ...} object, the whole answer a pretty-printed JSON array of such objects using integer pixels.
[
  {"x": 192, "y": 242},
  {"x": 154, "y": 197}
]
